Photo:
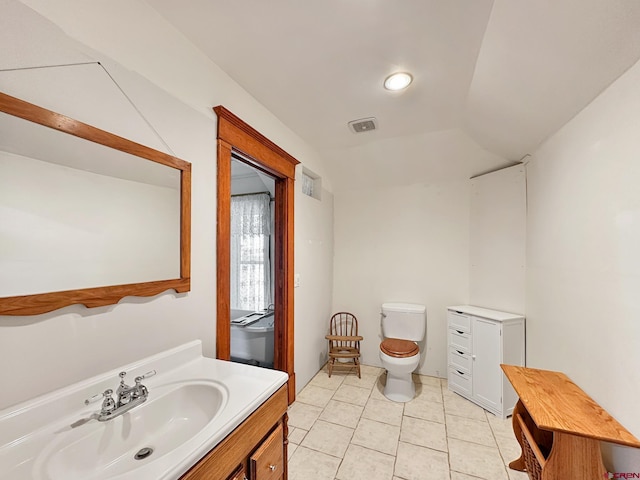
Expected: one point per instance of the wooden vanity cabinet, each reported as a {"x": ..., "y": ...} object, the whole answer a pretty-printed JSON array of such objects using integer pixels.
[
  {"x": 239, "y": 474},
  {"x": 256, "y": 450}
]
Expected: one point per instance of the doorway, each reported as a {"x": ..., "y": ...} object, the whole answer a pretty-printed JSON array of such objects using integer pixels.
[
  {"x": 252, "y": 266},
  {"x": 236, "y": 138}
]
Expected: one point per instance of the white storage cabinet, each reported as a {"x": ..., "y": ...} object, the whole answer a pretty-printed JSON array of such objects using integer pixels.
[{"x": 479, "y": 341}]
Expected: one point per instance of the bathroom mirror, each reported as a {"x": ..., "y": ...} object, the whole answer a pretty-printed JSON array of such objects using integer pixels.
[{"x": 86, "y": 217}]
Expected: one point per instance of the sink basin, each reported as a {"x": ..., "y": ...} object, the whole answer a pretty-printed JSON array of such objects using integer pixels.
[
  {"x": 98, "y": 450},
  {"x": 194, "y": 403}
]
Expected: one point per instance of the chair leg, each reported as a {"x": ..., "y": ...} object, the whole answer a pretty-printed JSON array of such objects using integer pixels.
[
  {"x": 357, "y": 362},
  {"x": 331, "y": 360}
]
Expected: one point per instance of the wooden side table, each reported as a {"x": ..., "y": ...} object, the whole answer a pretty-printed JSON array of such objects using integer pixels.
[{"x": 559, "y": 427}]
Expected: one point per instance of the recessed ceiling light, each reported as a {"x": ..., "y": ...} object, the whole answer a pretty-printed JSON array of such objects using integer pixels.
[{"x": 397, "y": 81}]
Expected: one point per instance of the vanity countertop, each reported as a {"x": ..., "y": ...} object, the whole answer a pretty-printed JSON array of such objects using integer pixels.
[{"x": 54, "y": 437}]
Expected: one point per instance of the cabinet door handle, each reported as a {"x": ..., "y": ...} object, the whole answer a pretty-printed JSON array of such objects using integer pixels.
[
  {"x": 272, "y": 468},
  {"x": 461, "y": 373},
  {"x": 473, "y": 356},
  {"x": 460, "y": 352},
  {"x": 460, "y": 332}
]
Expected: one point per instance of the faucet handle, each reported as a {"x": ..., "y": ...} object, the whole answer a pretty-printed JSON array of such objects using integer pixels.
[
  {"x": 140, "y": 390},
  {"x": 108, "y": 405},
  {"x": 93, "y": 398},
  {"x": 98, "y": 396},
  {"x": 146, "y": 375}
]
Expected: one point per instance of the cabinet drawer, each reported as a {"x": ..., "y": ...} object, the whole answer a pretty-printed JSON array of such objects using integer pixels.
[
  {"x": 459, "y": 321},
  {"x": 459, "y": 360},
  {"x": 267, "y": 462},
  {"x": 238, "y": 474},
  {"x": 459, "y": 381},
  {"x": 459, "y": 340}
]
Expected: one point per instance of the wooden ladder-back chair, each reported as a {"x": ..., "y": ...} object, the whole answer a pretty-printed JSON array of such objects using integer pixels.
[{"x": 344, "y": 341}]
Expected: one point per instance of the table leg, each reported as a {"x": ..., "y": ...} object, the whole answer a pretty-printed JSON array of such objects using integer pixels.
[
  {"x": 574, "y": 458},
  {"x": 518, "y": 464}
]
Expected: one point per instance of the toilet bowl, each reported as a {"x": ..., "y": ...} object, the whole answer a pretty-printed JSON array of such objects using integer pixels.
[{"x": 400, "y": 354}]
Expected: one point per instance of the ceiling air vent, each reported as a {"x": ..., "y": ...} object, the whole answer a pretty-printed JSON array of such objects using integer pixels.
[{"x": 363, "y": 125}]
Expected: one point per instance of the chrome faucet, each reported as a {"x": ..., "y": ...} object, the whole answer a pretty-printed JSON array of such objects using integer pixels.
[{"x": 127, "y": 397}]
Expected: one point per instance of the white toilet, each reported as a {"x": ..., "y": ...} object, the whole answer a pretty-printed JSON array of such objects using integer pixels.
[{"x": 403, "y": 324}]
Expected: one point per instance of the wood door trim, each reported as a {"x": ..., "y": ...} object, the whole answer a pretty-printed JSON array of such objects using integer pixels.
[
  {"x": 248, "y": 140},
  {"x": 223, "y": 248},
  {"x": 236, "y": 135}
]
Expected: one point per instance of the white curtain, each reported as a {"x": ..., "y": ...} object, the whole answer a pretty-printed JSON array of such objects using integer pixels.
[{"x": 250, "y": 266}]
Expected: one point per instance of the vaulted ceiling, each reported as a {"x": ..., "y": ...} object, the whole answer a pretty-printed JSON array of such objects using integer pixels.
[{"x": 492, "y": 79}]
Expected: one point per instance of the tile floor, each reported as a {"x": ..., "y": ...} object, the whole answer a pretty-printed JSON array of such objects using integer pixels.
[{"x": 343, "y": 428}]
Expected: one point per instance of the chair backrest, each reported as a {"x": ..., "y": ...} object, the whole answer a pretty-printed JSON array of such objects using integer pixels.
[{"x": 344, "y": 323}]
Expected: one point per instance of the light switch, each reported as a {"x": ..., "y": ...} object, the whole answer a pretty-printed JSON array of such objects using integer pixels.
[{"x": 296, "y": 280}]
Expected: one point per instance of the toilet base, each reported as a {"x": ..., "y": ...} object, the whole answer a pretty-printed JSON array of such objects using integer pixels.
[{"x": 400, "y": 387}]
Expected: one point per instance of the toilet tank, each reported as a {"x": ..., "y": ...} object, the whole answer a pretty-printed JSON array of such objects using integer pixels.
[{"x": 403, "y": 320}]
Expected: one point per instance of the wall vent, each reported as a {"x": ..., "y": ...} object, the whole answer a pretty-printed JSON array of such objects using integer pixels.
[{"x": 363, "y": 125}]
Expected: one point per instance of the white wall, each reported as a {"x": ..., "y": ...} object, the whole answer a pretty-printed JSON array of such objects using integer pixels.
[
  {"x": 139, "y": 39},
  {"x": 497, "y": 231},
  {"x": 583, "y": 256},
  {"x": 402, "y": 244},
  {"x": 44, "y": 352},
  {"x": 174, "y": 86},
  {"x": 314, "y": 248}
]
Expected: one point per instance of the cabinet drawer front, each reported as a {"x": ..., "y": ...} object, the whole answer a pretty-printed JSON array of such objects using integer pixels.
[
  {"x": 459, "y": 340},
  {"x": 267, "y": 462},
  {"x": 460, "y": 381},
  {"x": 459, "y": 360},
  {"x": 238, "y": 474},
  {"x": 459, "y": 321}
]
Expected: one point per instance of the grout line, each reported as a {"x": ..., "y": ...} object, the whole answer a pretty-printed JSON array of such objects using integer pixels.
[
  {"x": 404, "y": 415},
  {"x": 495, "y": 439},
  {"x": 446, "y": 430}
]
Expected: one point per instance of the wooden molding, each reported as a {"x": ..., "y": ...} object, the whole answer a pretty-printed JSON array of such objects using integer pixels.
[
  {"x": 243, "y": 137},
  {"x": 185, "y": 222},
  {"x": 236, "y": 135},
  {"x": 287, "y": 287},
  {"x": 89, "y": 297},
  {"x": 106, "y": 295},
  {"x": 223, "y": 257},
  {"x": 33, "y": 113}
]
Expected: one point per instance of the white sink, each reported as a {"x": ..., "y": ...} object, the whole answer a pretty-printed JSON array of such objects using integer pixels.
[
  {"x": 194, "y": 403},
  {"x": 107, "y": 449}
]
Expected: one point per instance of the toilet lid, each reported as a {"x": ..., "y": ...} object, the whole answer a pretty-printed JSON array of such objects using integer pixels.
[{"x": 396, "y": 347}]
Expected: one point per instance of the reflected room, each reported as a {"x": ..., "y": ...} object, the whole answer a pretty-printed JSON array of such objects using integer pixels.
[{"x": 252, "y": 266}]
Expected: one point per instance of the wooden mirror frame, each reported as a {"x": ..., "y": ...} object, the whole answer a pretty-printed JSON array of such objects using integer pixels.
[
  {"x": 261, "y": 153},
  {"x": 106, "y": 295}
]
